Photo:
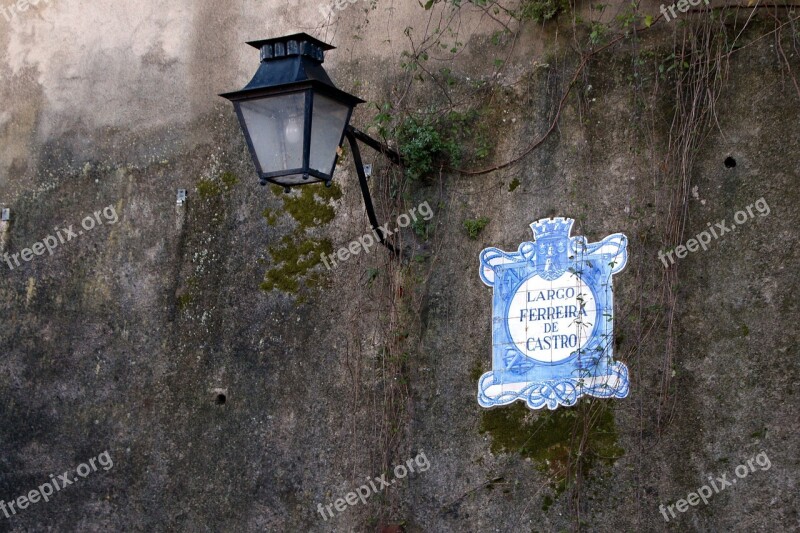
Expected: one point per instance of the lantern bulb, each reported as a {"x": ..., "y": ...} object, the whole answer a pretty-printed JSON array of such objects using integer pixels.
[{"x": 294, "y": 131}]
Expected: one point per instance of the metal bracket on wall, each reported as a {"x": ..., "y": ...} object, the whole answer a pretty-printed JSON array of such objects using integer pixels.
[{"x": 353, "y": 136}]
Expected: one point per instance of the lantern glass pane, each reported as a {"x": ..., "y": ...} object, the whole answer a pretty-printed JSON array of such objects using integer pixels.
[
  {"x": 327, "y": 126},
  {"x": 275, "y": 126}
]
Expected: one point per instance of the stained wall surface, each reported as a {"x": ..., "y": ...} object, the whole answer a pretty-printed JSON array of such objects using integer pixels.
[{"x": 237, "y": 383}]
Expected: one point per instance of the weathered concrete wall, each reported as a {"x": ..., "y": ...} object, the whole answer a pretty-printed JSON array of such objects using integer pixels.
[{"x": 124, "y": 339}]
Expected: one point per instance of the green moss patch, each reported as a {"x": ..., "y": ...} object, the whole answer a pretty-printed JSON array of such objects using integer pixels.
[
  {"x": 208, "y": 188},
  {"x": 311, "y": 207},
  {"x": 294, "y": 261},
  {"x": 271, "y": 216},
  {"x": 476, "y": 371},
  {"x": 189, "y": 294},
  {"x": 552, "y": 438},
  {"x": 295, "y": 257},
  {"x": 228, "y": 179}
]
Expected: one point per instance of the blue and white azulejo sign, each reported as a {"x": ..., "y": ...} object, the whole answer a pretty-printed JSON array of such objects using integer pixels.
[{"x": 553, "y": 319}]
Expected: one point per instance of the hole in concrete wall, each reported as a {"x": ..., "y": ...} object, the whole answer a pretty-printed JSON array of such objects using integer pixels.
[
  {"x": 218, "y": 395},
  {"x": 730, "y": 162}
]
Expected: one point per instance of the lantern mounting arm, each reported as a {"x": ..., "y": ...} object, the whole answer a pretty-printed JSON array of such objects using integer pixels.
[
  {"x": 353, "y": 136},
  {"x": 376, "y": 145}
]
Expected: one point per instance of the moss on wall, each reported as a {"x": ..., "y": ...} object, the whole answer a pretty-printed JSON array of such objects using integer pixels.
[
  {"x": 552, "y": 439},
  {"x": 295, "y": 259},
  {"x": 297, "y": 255},
  {"x": 208, "y": 188}
]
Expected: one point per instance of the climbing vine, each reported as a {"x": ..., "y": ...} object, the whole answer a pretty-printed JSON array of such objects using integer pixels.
[{"x": 678, "y": 83}]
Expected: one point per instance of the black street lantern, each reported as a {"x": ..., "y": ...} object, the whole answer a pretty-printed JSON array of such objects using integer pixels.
[{"x": 293, "y": 116}]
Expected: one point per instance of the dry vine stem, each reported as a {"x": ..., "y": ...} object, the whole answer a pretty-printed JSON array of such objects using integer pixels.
[
  {"x": 561, "y": 103},
  {"x": 705, "y": 48},
  {"x": 578, "y": 72}
]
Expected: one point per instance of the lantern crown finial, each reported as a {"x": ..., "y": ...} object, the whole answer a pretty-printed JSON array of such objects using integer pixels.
[{"x": 298, "y": 44}]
